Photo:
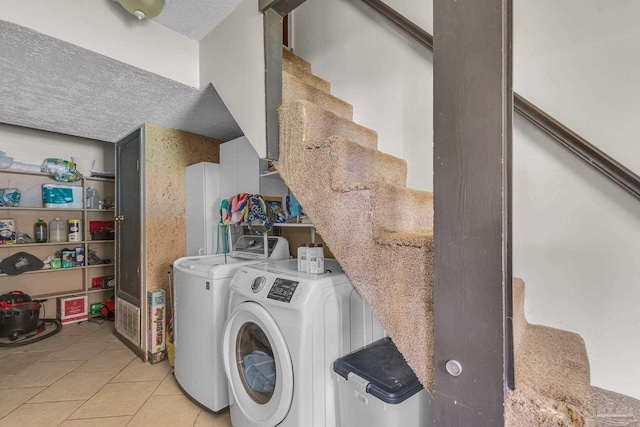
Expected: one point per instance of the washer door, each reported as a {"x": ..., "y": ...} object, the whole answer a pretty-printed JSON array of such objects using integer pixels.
[{"x": 258, "y": 365}]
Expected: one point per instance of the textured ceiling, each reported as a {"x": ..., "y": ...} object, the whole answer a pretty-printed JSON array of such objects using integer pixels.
[
  {"x": 52, "y": 85},
  {"x": 195, "y": 18}
]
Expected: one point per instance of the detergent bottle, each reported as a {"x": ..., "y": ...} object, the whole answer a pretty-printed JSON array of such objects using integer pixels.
[
  {"x": 302, "y": 258},
  {"x": 315, "y": 258}
]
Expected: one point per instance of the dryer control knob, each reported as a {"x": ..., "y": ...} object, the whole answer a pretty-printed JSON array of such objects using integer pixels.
[{"x": 258, "y": 284}]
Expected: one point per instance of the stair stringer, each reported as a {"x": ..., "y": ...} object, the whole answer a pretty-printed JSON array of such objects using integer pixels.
[{"x": 386, "y": 252}]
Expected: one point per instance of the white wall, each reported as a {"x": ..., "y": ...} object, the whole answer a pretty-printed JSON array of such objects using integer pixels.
[
  {"x": 103, "y": 26},
  {"x": 579, "y": 61},
  {"x": 386, "y": 76},
  {"x": 33, "y": 146},
  {"x": 239, "y": 78},
  {"x": 576, "y": 236}
]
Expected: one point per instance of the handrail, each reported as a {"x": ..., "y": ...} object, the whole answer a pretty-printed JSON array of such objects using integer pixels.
[
  {"x": 579, "y": 146},
  {"x": 402, "y": 22}
]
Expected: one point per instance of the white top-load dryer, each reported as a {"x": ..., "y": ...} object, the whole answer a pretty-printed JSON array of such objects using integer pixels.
[
  {"x": 285, "y": 329},
  {"x": 201, "y": 299}
]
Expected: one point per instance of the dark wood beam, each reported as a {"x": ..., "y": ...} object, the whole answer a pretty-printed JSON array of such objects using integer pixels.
[{"x": 472, "y": 200}]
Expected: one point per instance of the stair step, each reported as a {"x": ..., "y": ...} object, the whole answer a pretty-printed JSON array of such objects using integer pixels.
[
  {"x": 306, "y": 123},
  {"x": 554, "y": 363},
  {"x": 305, "y": 76},
  {"x": 355, "y": 164},
  {"x": 288, "y": 55},
  {"x": 519, "y": 320},
  {"x": 401, "y": 209},
  {"x": 294, "y": 89},
  {"x": 552, "y": 378}
]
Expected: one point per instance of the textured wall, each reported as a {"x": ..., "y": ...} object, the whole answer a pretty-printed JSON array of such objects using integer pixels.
[{"x": 168, "y": 152}]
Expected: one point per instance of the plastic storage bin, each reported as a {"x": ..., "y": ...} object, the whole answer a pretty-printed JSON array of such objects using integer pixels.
[{"x": 376, "y": 388}]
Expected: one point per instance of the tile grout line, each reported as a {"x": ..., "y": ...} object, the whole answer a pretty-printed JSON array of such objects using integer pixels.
[{"x": 150, "y": 396}]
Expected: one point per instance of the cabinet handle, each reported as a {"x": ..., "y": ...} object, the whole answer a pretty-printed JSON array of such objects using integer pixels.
[{"x": 119, "y": 218}]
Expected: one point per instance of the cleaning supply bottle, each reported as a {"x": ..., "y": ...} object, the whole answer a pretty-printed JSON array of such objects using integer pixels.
[
  {"x": 74, "y": 230},
  {"x": 57, "y": 231},
  {"x": 92, "y": 198},
  {"x": 316, "y": 259},
  {"x": 40, "y": 231},
  {"x": 302, "y": 257}
]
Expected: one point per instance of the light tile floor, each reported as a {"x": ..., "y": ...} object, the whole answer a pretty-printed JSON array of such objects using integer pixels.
[{"x": 84, "y": 376}]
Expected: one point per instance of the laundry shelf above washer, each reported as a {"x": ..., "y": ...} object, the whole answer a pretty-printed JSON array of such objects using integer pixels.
[
  {"x": 294, "y": 224},
  {"x": 307, "y": 225}
]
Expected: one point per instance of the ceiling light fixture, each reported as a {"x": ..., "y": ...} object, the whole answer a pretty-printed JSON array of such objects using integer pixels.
[{"x": 144, "y": 9}]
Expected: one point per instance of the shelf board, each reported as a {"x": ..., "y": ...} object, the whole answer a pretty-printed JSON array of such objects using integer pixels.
[
  {"x": 30, "y": 245},
  {"x": 96, "y": 290},
  {"x": 54, "y": 270},
  {"x": 294, "y": 224},
  {"x": 19, "y": 172},
  {"x": 100, "y": 265},
  {"x": 58, "y": 294},
  {"x": 265, "y": 174},
  {"x": 45, "y": 270},
  {"x": 40, "y": 208},
  {"x": 280, "y": 224},
  {"x": 101, "y": 210},
  {"x": 96, "y": 178}
]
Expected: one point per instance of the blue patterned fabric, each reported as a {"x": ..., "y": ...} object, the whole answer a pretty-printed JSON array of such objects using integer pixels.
[{"x": 260, "y": 371}]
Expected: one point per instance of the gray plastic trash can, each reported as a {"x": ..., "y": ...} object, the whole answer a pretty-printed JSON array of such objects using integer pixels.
[{"x": 376, "y": 388}]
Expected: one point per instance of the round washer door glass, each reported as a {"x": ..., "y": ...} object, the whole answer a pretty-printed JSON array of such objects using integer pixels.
[
  {"x": 258, "y": 365},
  {"x": 255, "y": 363}
]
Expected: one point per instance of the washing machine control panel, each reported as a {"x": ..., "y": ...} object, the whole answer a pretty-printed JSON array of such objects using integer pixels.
[{"x": 282, "y": 290}]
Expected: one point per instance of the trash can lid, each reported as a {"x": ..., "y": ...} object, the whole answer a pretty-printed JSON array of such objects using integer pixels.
[{"x": 383, "y": 366}]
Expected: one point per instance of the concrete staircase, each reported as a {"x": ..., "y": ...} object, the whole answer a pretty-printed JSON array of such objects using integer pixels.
[{"x": 381, "y": 232}]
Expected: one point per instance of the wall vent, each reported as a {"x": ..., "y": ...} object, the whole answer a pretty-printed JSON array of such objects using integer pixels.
[{"x": 128, "y": 321}]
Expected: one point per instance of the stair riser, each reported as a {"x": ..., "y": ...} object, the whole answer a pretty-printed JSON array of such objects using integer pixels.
[
  {"x": 401, "y": 210},
  {"x": 519, "y": 320},
  {"x": 306, "y": 76},
  {"x": 295, "y": 60},
  {"x": 355, "y": 164},
  {"x": 308, "y": 124},
  {"x": 294, "y": 89}
]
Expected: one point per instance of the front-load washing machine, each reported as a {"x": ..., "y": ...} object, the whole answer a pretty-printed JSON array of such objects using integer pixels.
[
  {"x": 284, "y": 331},
  {"x": 201, "y": 301}
]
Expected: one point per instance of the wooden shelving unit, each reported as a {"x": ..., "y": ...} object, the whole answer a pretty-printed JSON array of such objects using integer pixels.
[{"x": 49, "y": 283}]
